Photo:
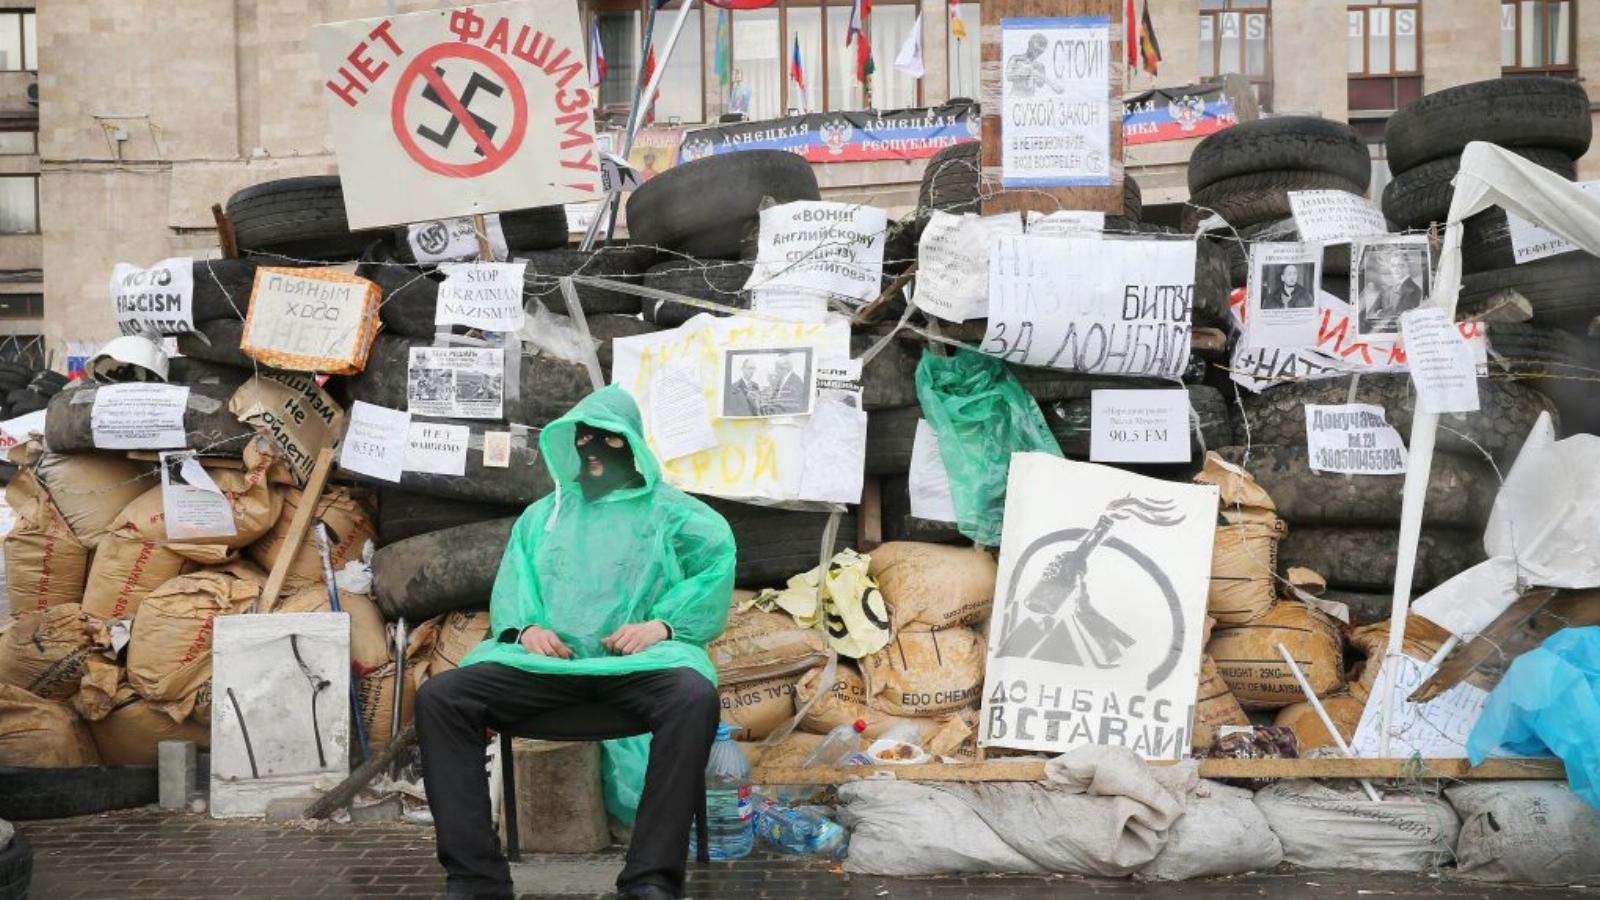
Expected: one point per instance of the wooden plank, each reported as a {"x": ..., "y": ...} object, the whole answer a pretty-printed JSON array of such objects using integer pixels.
[
  {"x": 873, "y": 311},
  {"x": 1465, "y": 659},
  {"x": 296, "y": 535},
  {"x": 993, "y": 72},
  {"x": 870, "y": 517},
  {"x": 226, "y": 238},
  {"x": 1033, "y": 770}
]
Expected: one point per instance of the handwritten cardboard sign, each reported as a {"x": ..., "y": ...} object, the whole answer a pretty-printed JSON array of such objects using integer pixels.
[{"x": 309, "y": 320}]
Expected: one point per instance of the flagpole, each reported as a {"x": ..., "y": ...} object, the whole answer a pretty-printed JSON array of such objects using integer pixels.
[{"x": 642, "y": 101}]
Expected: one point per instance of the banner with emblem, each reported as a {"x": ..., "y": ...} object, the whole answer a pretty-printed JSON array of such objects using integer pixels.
[
  {"x": 1176, "y": 114},
  {"x": 843, "y": 136}
]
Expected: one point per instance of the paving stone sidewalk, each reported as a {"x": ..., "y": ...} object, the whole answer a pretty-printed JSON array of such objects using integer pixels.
[{"x": 140, "y": 854}]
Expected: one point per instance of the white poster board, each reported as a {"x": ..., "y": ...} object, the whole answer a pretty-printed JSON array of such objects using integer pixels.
[
  {"x": 308, "y": 317},
  {"x": 755, "y": 458},
  {"x": 1282, "y": 300},
  {"x": 375, "y": 441},
  {"x": 1055, "y": 78},
  {"x": 953, "y": 263},
  {"x": 481, "y": 295},
  {"x": 456, "y": 382},
  {"x": 1334, "y": 217},
  {"x": 1139, "y": 426},
  {"x": 443, "y": 240},
  {"x": 928, "y": 481},
  {"x": 1389, "y": 276},
  {"x": 1440, "y": 361},
  {"x": 159, "y": 299},
  {"x": 437, "y": 448},
  {"x": 1099, "y": 607},
  {"x": 1353, "y": 439},
  {"x": 821, "y": 248},
  {"x": 1106, "y": 307},
  {"x": 1437, "y": 729},
  {"x": 472, "y": 109},
  {"x": 1530, "y": 242},
  {"x": 192, "y": 504},
  {"x": 138, "y": 416}
]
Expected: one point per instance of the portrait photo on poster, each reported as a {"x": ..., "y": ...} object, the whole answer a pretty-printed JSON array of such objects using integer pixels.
[
  {"x": 757, "y": 384},
  {"x": 1388, "y": 276},
  {"x": 1281, "y": 302}
]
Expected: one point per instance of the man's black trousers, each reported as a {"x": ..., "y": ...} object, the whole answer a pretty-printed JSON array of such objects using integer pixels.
[{"x": 454, "y": 708}]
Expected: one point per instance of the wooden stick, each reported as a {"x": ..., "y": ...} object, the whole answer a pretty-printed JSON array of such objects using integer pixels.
[
  {"x": 227, "y": 239},
  {"x": 869, "y": 313},
  {"x": 480, "y": 228},
  {"x": 296, "y": 536},
  {"x": 346, "y": 790},
  {"x": 1499, "y": 768},
  {"x": 870, "y": 521},
  {"x": 1474, "y": 653}
]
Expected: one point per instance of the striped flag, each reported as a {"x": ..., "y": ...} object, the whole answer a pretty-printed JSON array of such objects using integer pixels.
[
  {"x": 958, "y": 26},
  {"x": 597, "y": 56},
  {"x": 859, "y": 11},
  {"x": 1130, "y": 27},
  {"x": 797, "y": 69},
  {"x": 1149, "y": 47},
  {"x": 724, "y": 44}
]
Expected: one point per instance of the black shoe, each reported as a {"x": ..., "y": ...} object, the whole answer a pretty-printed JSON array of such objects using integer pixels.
[{"x": 645, "y": 892}]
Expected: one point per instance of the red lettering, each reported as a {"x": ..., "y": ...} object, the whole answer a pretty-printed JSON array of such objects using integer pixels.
[
  {"x": 579, "y": 100},
  {"x": 567, "y": 72},
  {"x": 351, "y": 87},
  {"x": 575, "y": 136},
  {"x": 366, "y": 65},
  {"x": 380, "y": 32},
  {"x": 530, "y": 49},
  {"x": 502, "y": 30}
]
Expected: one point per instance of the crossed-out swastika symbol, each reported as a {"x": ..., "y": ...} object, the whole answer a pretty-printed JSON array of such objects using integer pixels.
[
  {"x": 489, "y": 74},
  {"x": 477, "y": 83}
]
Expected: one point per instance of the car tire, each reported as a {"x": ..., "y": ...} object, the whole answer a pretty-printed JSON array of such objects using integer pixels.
[
  {"x": 534, "y": 228},
  {"x": 1258, "y": 197},
  {"x": 1561, "y": 289},
  {"x": 300, "y": 218},
  {"x": 1511, "y": 112},
  {"x": 1356, "y": 558},
  {"x": 405, "y": 514},
  {"x": 16, "y": 869},
  {"x": 1420, "y": 197},
  {"x": 716, "y": 281},
  {"x": 775, "y": 544},
  {"x": 518, "y": 484},
  {"x": 27, "y": 793},
  {"x": 208, "y": 424},
  {"x": 1303, "y": 143},
  {"x": 701, "y": 208},
  {"x": 440, "y": 572}
]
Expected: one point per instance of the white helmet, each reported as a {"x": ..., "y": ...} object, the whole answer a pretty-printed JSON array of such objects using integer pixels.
[{"x": 129, "y": 358}]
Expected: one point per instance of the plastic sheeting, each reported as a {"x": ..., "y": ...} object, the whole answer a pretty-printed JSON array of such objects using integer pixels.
[
  {"x": 1549, "y": 702},
  {"x": 981, "y": 415}
]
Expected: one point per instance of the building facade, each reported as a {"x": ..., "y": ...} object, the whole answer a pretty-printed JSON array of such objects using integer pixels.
[{"x": 149, "y": 116}]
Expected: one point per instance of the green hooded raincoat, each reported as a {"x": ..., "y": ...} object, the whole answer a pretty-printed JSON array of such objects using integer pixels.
[{"x": 583, "y": 568}]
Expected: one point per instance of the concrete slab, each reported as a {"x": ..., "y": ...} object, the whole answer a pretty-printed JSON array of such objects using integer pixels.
[{"x": 567, "y": 875}]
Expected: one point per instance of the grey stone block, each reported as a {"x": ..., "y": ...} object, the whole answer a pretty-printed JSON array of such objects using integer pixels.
[{"x": 178, "y": 773}]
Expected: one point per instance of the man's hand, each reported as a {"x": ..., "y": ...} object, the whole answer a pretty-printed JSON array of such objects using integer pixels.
[
  {"x": 631, "y": 639},
  {"x": 543, "y": 642}
]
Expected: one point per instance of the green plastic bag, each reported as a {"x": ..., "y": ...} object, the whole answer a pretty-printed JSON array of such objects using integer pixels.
[
  {"x": 622, "y": 767},
  {"x": 982, "y": 416}
]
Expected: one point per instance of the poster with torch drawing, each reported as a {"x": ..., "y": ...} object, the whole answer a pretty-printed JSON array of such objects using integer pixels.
[{"x": 1099, "y": 606}]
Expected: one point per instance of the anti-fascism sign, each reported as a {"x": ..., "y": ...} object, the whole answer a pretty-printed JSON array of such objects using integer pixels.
[
  {"x": 1176, "y": 113},
  {"x": 820, "y": 248},
  {"x": 474, "y": 109},
  {"x": 841, "y": 136},
  {"x": 1099, "y": 606},
  {"x": 754, "y": 457},
  {"x": 158, "y": 299},
  {"x": 1109, "y": 307},
  {"x": 1055, "y": 79}
]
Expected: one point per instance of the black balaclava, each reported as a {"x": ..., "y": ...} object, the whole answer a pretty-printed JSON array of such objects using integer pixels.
[{"x": 609, "y": 452}]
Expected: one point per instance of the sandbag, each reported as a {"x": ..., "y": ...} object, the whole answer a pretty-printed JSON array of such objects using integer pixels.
[
  {"x": 1221, "y": 833},
  {"x": 933, "y": 585},
  {"x": 758, "y": 707},
  {"x": 40, "y": 733},
  {"x": 1244, "y": 556},
  {"x": 903, "y": 828},
  {"x": 132, "y": 732},
  {"x": 789, "y": 752},
  {"x": 759, "y": 645},
  {"x": 459, "y": 632},
  {"x": 91, "y": 489},
  {"x": 1423, "y": 638},
  {"x": 369, "y": 645},
  {"x": 1214, "y": 706},
  {"x": 351, "y": 525},
  {"x": 1536, "y": 832},
  {"x": 1333, "y": 825},
  {"x": 846, "y": 702},
  {"x": 1248, "y": 659},
  {"x": 925, "y": 673},
  {"x": 46, "y": 564},
  {"x": 125, "y": 571},
  {"x": 45, "y": 653},
  {"x": 1309, "y": 733},
  {"x": 377, "y": 688},
  {"x": 169, "y": 653}
]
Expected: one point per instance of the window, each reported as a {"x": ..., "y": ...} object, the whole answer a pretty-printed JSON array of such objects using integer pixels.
[
  {"x": 1234, "y": 39},
  {"x": 889, "y": 25},
  {"x": 757, "y": 61},
  {"x": 19, "y": 143},
  {"x": 1385, "y": 56},
  {"x": 682, "y": 95},
  {"x": 1537, "y": 36},
  {"x": 804, "y": 24},
  {"x": 964, "y": 52},
  {"x": 19, "y": 51},
  {"x": 21, "y": 306},
  {"x": 620, "y": 36},
  {"x": 19, "y": 204}
]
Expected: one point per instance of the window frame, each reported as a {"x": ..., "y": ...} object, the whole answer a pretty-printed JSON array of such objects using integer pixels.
[
  {"x": 22, "y": 40},
  {"x": 1365, "y": 9},
  {"x": 1569, "y": 69},
  {"x": 34, "y": 176},
  {"x": 1214, "y": 12}
]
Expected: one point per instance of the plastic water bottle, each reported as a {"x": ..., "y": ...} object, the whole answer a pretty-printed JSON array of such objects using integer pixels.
[
  {"x": 800, "y": 831},
  {"x": 834, "y": 749},
  {"x": 730, "y": 812}
]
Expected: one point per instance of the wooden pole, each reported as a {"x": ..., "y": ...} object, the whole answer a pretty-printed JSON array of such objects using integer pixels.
[
  {"x": 346, "y": 790},
  {"x": 298, "y": 527},
  {"x": 227, "y": 239},
  {"x": 480, "y": 228}
]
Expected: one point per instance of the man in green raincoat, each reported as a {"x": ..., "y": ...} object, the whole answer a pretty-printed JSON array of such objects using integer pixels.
[{"x": 608, "y": 592}]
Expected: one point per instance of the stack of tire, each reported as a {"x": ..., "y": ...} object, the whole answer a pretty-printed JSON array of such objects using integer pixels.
[
  {"x": 1245, "y": 173},
  {"x": 1547, "y": 122},
  {"x": 700, "y": 218}
]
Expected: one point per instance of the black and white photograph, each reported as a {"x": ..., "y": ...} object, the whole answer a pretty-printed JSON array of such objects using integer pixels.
[
  {"x": 761, "y": 383},
  {"x": 456, "y": 382},
  {"x": 1388, "y": 277},
  {"x": 1281, "y": 304}
]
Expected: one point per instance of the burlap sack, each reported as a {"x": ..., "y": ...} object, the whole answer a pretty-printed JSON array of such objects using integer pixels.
[
  {"x": 791, "y": 751},
  {"x": 758, "y": 707},
  {"x": 459, "y": 632},
  {"x": 41, "y": 733},
  {"x": 377, "y": 688},
  {"x": 350, "y": 527},
  {"x": 46, "y": 565},
  {"x": 926, "y": 673},
  {"x": 45, "y": 653},
  {"x": 934, "y": 585},
  {"x": 125, "y": 571},
  {"x": 91, "y": 489},
  {"x": 1343, "y": 709},
  {"x": 130, "y": 734},
  {"x": 1248, "y": 659},
  {"x": 1423, "y": 639},
  {"x": 169, "y": 654},
  {"x": 1244, "y": 557},
  {"x": 1214, "y": 706},
  {"x": 103, "y": 679},
  {"x": 846, "y": 701},
  {"x": 369, "y": 645},
  {"x": 757, "y": 646}
]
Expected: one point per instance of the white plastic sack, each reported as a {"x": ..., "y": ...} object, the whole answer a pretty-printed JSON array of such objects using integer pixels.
[
  {"x": 1333, "y": 825},
  {"x": 1527, "y": 831},
  {"x": 1221, "y": 833},
  {"x": 1102, "y": 811}
]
